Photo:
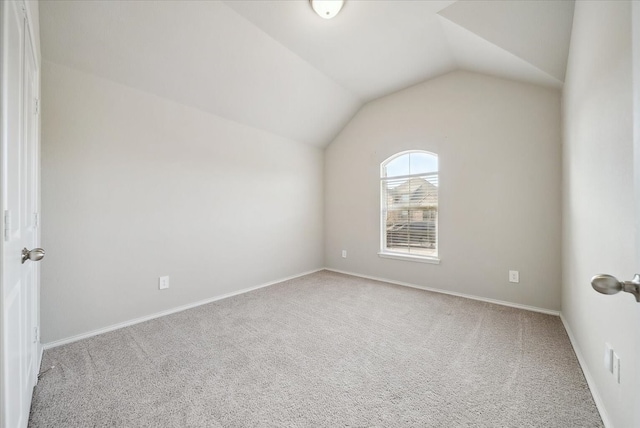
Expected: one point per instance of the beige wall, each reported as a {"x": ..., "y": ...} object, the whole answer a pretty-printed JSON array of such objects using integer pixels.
[
  {"x": 135, "y": 187},
  {"x": 599, "y": 223},
  {"x": 498, "y": 143}
]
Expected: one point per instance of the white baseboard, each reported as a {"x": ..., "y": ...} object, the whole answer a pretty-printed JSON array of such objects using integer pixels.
[
  {"x": 167, "y": 312},
  {"x": 452, "y": 293},
  {"x": 40, "y": 354},
  {"x": 587, "y": 375}
]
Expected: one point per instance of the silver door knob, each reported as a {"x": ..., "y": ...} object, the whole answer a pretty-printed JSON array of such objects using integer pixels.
[
  {"x": 607, "y": 284},
  {"x": 34, "y": 255}
]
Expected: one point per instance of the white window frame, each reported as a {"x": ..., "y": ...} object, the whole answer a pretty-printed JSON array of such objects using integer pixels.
[{"x": 384, "y": 251}]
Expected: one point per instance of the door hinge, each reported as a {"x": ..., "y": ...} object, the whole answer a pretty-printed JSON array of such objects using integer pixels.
[
  {"x": 36, "y": 333},
  {"x": 36, "y": 220},
  {"x": 7, "y": 225},
  {"x": 37, "y": 106}
]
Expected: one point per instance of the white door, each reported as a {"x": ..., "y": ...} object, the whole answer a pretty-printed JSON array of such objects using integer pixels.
[
  {"x": 635, "y": 46},
  {"x": 629, "y": 328},
  {"x": 20, "y": 176}
]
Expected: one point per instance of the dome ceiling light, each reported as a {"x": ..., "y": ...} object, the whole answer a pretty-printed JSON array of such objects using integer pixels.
[{"x": 327, "y": 9}]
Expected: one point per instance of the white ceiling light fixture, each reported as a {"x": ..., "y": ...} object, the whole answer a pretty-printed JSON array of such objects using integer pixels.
[{"x": 327, "y": 9}]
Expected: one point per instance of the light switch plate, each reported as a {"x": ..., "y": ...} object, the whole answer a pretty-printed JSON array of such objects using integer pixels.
[
  {"x": 616, "y": 367},
  {"x": 608, "y": 357}
]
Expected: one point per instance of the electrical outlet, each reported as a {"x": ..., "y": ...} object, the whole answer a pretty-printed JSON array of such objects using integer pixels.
[
  {"x": 344, "y": 254},
  {"x": 514, "y": 276},
  {"x": 616, "y": 367},
  {"x": 163, "y": 282},
  {"x": 608, "y": 357}
]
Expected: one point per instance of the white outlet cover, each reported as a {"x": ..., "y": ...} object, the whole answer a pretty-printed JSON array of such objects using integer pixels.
[
  {"x": 514, "y": 276},
  {"x": 344, "y": 254},
  {"x": 163, "y": 282}
]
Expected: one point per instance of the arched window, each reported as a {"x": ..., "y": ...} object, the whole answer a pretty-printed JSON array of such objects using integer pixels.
[{"x": 409, "y": 202}]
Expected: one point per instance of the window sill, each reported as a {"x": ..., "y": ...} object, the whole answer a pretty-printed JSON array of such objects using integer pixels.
[{"x": 409, "y": 258}]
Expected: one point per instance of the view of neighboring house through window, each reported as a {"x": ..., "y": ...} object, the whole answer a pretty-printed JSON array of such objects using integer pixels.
[{"x": 409, "y": 200}]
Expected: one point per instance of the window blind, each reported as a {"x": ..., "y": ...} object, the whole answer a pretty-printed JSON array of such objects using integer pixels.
[{"x": 410, "y": 214}]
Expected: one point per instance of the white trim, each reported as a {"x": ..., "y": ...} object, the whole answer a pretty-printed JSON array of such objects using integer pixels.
[
  {"x": 4, "y": 11},
  {"x": 39, "y": 362},
  {"x": 410, "y": 258},
  {"x": 452, "y": 293},
  {"x": 587, "y": 375},
  {"x": 384, "y": 250},
  {"x": 167, "y": 312},
  {"x": 35, "y": 43}
]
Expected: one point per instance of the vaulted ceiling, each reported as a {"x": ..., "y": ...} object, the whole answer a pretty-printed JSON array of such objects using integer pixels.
[{"x": 277, "y": 66}]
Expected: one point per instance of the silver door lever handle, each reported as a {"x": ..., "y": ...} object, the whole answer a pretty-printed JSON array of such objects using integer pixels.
[
  {"x": 34, "y": 255},
  {"x": 607, "y": 284}
]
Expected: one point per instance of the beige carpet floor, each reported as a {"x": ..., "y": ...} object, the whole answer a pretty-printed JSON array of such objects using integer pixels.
[{"x": 323, "y": 350}]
